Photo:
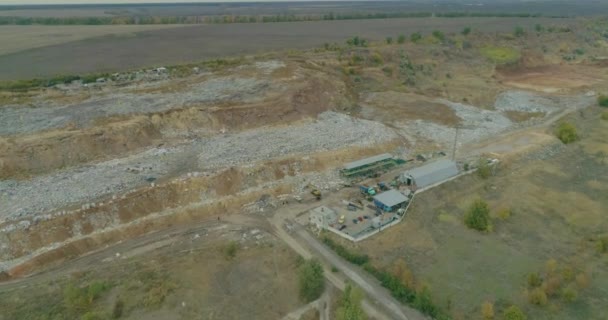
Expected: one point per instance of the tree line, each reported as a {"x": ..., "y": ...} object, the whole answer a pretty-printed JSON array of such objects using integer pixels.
[{"x": 141, "y": 19}]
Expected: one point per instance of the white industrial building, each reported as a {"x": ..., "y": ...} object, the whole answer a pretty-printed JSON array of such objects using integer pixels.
[{"x": 430, "y": 174}]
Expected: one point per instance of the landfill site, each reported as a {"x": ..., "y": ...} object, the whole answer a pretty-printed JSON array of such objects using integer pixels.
[{"x": 298, "y": 145}]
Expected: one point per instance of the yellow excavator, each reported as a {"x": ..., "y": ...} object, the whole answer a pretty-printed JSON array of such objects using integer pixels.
[{"x": 315, "y": 192}]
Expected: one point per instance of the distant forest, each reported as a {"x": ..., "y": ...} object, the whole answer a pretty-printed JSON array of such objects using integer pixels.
[{"x": 140, "y": 20}]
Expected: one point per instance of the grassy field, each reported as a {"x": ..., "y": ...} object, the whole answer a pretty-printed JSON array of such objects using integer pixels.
[
  {"x": 557, "y": 206},
  {"x": 193, "y": 276},
  {"x": 19, "y": 38},
  {"x": 194, "y": 43}
]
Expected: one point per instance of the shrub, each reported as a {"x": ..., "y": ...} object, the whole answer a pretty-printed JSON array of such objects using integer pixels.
[
  {"x": 604, "y": 115},
  {"x": 514, "y": 313},
  {"x": 377, "y": 59},
  {"x": 487, "y": 310},
  {"x": 358, "y": 259},
  {"x": 415, "y": 37},
  {"x": 551, "y": 286},
  {"x": 500, "y": 55},
  {"x": 389, "y": 40},
  {"x": 350, "y": 305},
  {"x": 504, "y": 213},
  {"x": 582, "y": 281},
  {"x": 602, "y": 245},
  {"x": 424, "y": 303},
  {"x": 537, "y": 296},
  {"x": 566, "y": 132},
  {"x": 231, "y": 249},
  {"x": 388, "y": 71},
  {"x": 551, "y": 266},
  {"x": 538, "y": 28},
  {"x": 569, "y": 294},
  {"x": 334, "y": 269},
  {"x": 478, "y": 216},
  {"x": 568, "y": 273},
  {"x": 483, "y": 168},
  {"x": 439, "y": 35},
  {"x": 466, "y": 31},
  {"x": 534, "y": 280},
  {"x": 602, "y": 100},
  {"x": 118, "y": 309},
  {"x": 519, "y": 31},
  {"x": 312, "y": 283},
  {"x": 401, "y": 39}
]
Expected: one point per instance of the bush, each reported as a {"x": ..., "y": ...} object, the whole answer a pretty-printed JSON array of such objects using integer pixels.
[
  {"x": 569, "y": 294},
  {"x": 602, "y": 100},
  {"x": 534, "y": 280},
  {"x": 231, "y": 249},
  {"x": 466, "y": 31},
  {"x": 602, "y": 245},
  {"x": 424, "y": 303},
  {"x": 483, "y": 168},
  {"x": 504, "y": 213},
  {"x": 350, "y": 305},
  {"x": 514, "y": 313},
  {"x": 604, "y": 115},
  {"x": 389, "y": 40},
  {"x": 538, "y": 28},
  {"x": 312, "y": 283},
  {"x": 401, "y": 39},
  {"x": 334, "y": 269},
  {"x": 118, "y": 309},
  {"x": 551, "y": 286},
  {"x": 501, "y": 55},
  {"x": 439, "y": 35},
  {"x": 537, "y": 296},
  {"x": 566, "y": 132},
  {"x": 487, "y": 310},
  {"x": 478, "y": 216},
  {"x": 582, "y": 281},
  {"x": 358, "y": 259},
  {"x": 519, "y": 31},
  {"x": 415, "y": 37}
]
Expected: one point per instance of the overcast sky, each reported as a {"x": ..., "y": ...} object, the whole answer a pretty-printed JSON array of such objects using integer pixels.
[{"x": 15, "y": 2}]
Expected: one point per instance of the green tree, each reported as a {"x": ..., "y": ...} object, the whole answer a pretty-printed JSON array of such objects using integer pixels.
[
  {"x": 566, "y": 132},
  {"x": 389, "y": 40},
  {"x": 602, "y": 101},
  {"x": 466, "y": 31},
  {"x": 519, "y": 31},
  {"x": 401, "y": 39},
  {"x": 312, "y": 283},
  {"x": 514, "y": 313},
  {"x": 478, "y": 216},
  {"x": 415, "y": 37},
  {"x": 350, "y": 305}
]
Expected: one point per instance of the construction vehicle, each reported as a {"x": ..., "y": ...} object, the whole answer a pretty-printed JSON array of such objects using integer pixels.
[
  {"x": 367, "y": 190},
  {"x": 382, "y": 186},
  {"x": 314, "y": 191}
]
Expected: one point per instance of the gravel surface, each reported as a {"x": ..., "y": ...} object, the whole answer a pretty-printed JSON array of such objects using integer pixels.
[
  {"x": 476, "y": 124},
  {"x": 479, "y": 124},
  {"x": 530, "y": 102},
  {"x": 46, "y": 114},
  {"x": 84, "y": 184}
]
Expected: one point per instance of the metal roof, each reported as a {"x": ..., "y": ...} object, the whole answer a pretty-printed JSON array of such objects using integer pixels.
[
  {"x": 433, "y": 172},
  {"x": 366, "y": 161},
  {"x": 391, "y": 198}
]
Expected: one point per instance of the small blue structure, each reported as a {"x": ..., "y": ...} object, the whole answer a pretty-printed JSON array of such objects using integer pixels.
[{"x": 390, "y": 200}]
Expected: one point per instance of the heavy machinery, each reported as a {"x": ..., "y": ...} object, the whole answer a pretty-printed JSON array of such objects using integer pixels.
[
  {"x": 367, "y": 190},
  {"x": 315, "y": 192}
]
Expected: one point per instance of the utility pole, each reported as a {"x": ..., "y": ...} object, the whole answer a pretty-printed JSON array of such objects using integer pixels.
[{"x": 455, "y": 142}]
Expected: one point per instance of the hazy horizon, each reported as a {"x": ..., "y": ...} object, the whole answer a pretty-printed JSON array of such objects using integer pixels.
[{"x": 51, "y": 2}]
